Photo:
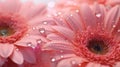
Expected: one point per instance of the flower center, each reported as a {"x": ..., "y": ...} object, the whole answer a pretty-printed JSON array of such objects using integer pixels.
[
  {"x": 6, "y": 31},
  {"x": 97, "y": 46},
  {"x": 12, "y": 27}
]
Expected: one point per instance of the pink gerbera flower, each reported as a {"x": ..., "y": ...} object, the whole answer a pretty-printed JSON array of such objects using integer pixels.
[
  {"x": 84, "y": 36},
  {"x": 18, "y": 33}
]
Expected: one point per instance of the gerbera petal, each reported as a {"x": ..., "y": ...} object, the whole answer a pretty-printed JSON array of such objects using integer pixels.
[
  {"x": 99, "y": 11},
  {"x": 112, "y": 19},
  {"x": 31, "y": 9},
  {"x": 74, "y": 21},
  {"x": 29, "y": 40},
  {"x": 63, "y": 56},
  {"x": 70, "y": 62},
  {"x": 10, "y": 6},
  {"x": 58, "y": 45},
  {"x": 6, "y": 50},
  {"x": 66, "y": 32},
  {"x": 28, "y": 54},
  {"x": 111, "y": 2},
  {"x": 53, "y": 36},
  {"x": 17, "y": 57},
  {"x": 88, "y": 17}
]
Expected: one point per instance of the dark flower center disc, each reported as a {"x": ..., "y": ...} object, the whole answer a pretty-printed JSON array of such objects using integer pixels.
[
  {"x": 97, "y": 46},
  {"x": 6, "y": 31}
]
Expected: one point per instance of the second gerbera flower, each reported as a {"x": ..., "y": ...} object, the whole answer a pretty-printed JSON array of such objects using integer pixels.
[
  {"x": 18, "y": 33},
  {"x": 85, "y": 37}
]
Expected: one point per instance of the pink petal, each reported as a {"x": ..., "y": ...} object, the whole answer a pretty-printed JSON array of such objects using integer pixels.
[
  {"x": 17, "y": 57},
  {"x": 27, "y": 40},
  {"x": 63, "y": 56},
  {"x": 74, "y": 21},
  {"x": 10, "y": 6},
  {"x": 30, "y": 10},
  {"x": 112, "y": 18},
  {"x": 54, "y": 36},
  {"x": 58, "y": 45},
  {"x": 99, "y": 11},
  {"x": 70, "y": 62},
  {"x": 28, "y": 54},
  {"x": 6, "y": 50},
  {"x": 87, "y": 14},
  {"x": 65, "y": 32}
]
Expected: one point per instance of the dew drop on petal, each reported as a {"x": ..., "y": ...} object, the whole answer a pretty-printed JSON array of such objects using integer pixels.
[
  {"x": 33, "y": 28},
  {"x": 71, "y": 15},
  {"x": 77, "y": 11},
  {"x": 17, "y": 49},
  {"x": 114, "y": 26},
  {"x": 39, "y": 41},
  {"x": 98, "y": 15},
  {"x": 53, "y": 59},
  {"x": 29, "y": 44},
  {"x": 73, "y": 62},
  {"x": 59, "y": 13},
  {"x": 42, "y": 30},
  {"x": 45, "y": 23},
  {"x": 118, "y": 30},
  {"x": 61, "y": 56}
]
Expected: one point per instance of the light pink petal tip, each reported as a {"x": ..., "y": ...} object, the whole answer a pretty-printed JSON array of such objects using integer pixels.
[
  {"x": 100, "y": 12},
  {"x": 88, "y": 16},
  {"x": 6, "y": 50},
  {"x": 112, "y": 22},
  {"x": 74, "y": 21},
  {"x": 17, "y": 57}
]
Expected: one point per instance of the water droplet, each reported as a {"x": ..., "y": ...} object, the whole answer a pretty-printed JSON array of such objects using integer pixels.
[
  {"x": 45, "y": 23},
  {"x": 33, "y": 28},
  {"x": 53, "y": 60},
  {"x": 62, "y": 56},
  {"x": 98, "y": 15},
  {"x": 17, "y": 49},
  {"x": 77, "y": 11},
  {"x": 71, "y": 15},
  {"x": 73, "y": 62},
  {"x": 39, "y": 41},
  {"x": 59, "y": 13},
  {"x": 118, "y": 30},
  {"x": 79, "y": 64},
  {"x": 114, "y": 26},
  {"x": 29, "y": 44},
  {"x": 42, "y": 30}
]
